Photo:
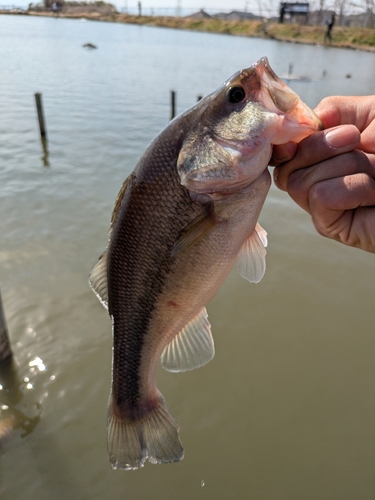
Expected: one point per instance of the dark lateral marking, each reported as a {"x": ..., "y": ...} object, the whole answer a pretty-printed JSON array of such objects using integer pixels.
[{"x": 172, "y": 303}]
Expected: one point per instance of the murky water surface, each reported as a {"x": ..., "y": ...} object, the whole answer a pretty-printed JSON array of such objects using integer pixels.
[{"x": 287, "y": 408}]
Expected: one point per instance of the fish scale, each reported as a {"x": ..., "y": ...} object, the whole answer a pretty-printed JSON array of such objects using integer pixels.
[{"x": 141, "y": 288}]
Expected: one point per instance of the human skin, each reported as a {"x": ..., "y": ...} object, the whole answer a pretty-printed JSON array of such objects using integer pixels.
[{"x": 331, "y": 173}]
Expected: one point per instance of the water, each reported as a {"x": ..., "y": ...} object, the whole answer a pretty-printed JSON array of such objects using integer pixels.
[{"x": 286, "y": 409}]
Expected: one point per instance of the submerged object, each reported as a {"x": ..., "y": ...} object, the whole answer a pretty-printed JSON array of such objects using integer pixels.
[{"x": 182, "y": 219}]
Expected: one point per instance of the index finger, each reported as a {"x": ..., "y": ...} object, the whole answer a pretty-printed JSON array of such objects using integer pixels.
[
  {"x": 316, "y": 148},
  {"x": 341, "y": 110}
]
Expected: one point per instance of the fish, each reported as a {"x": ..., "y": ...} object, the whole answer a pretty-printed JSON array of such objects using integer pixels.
[{"x": 182, "y": 219}]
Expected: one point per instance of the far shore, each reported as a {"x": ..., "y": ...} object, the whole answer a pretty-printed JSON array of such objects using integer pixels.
[{"x": 342, "y": 37}]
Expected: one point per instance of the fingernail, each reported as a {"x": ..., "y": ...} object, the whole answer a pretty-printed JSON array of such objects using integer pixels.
[{"x": 343, "y": 136}]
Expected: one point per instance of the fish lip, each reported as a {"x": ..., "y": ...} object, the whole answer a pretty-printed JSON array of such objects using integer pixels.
[{"x": 264, "y": 63}]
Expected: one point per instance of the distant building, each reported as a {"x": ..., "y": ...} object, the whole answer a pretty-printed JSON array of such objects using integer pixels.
[
  {"x": 201, "y": 14},
  {"x": 237, "y": 15}
]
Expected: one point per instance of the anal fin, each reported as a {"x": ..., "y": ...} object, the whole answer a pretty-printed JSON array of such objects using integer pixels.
[{"x": 192, "y": 347}]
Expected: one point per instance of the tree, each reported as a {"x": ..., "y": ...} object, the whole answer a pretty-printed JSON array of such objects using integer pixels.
[
  {"x": 341, "y": 6},
  {"x": 368, "y": 21}
]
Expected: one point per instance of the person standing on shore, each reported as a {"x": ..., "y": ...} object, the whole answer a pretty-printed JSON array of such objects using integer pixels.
[{"x": 330, "y": 24}]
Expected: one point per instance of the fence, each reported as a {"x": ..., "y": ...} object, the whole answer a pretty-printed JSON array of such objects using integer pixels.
[
  {"x": 10, "y": 7},
  {"x": 176, "y": 11}
]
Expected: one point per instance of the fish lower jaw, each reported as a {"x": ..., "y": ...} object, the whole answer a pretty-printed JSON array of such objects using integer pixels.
[{"x": 242, "y": 186}]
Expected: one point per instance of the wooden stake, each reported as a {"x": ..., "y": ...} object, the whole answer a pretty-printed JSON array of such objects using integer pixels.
[
  {"x": 5, "y": 349},
  {"x": 39, "y": 107},
  {"x": 173, "y": 104}
]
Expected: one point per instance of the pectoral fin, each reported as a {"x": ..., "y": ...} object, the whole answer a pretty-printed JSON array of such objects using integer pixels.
[
  {"x": 192, "y": 347},
  {"x": 262, "y": 233},
  {"x": 195, "y": 231},
  {"x": 251, "y": 261},
  {"x": 98, "y": 279}
]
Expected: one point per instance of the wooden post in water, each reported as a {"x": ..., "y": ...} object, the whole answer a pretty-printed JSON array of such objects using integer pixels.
[
  {"x": 173, "y": 104},
  {"x": 5, "y": 349},
  {"x": 39, "y": 107}
]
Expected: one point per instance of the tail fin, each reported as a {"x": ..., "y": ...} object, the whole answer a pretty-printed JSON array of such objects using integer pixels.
[{"x": 155, "y": 437}]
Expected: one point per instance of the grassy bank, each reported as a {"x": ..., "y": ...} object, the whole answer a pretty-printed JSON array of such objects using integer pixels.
[{"x": 354, "y": 38}]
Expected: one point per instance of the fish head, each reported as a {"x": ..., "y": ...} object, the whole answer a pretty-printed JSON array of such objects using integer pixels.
[{"x": 231, "y": 142}]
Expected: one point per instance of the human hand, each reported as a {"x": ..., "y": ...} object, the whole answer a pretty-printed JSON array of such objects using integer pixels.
[{"x": 331, "y": 174}]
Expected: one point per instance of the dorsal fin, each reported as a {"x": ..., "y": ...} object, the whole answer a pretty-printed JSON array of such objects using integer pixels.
[
  {"x": 192, "y": 347},
  {"x": 98, "y": 276},
  {"x": 98, "y": 279},
  {"x": 251, "y": 261},
  {"x": 120, "y": 196}
]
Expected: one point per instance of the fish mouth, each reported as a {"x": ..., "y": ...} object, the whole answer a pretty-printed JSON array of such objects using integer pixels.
[{"x": 276, "y": 96}]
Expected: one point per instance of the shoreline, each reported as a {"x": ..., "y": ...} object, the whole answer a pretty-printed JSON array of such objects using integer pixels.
[{"x": 342, "y": 37}]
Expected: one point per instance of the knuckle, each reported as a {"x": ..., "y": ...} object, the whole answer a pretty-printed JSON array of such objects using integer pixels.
[
  {"x": 296, "y": 185},
  {"x": 319, "y": 195}
]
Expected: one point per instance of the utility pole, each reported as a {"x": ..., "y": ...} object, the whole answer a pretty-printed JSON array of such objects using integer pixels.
[{"x": 178, "y": 8}]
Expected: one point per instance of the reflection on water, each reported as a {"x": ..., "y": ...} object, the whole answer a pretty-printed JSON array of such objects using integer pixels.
[
  {"x": 287, "y": 408},
  {"x": 45, "y": 156},
  {"x": 11, "y": 397}
]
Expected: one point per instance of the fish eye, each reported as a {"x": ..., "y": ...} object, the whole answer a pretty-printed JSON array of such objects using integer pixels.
[{"x": 235, "y": 94}]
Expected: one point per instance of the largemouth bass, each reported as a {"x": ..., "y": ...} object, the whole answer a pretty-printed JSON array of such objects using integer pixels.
[{"x": 182, "y": 219}]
